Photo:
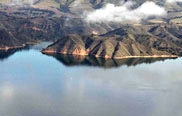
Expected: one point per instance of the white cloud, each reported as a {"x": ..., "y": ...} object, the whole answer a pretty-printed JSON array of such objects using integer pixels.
[
  {"x": 112, "y": 13},
  {"x": 173, "y": 1},
  {"x": 77, "y": 3},
  {"x": 22, "y": 2}
]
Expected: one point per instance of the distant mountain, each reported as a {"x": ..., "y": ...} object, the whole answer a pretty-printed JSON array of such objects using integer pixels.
[
  {"x": 79, "y": 4},
  {"x": 76, "y": 8}
]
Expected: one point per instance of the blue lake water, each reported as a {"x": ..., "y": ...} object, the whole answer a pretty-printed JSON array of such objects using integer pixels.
[{"x": 34, "y": 84}]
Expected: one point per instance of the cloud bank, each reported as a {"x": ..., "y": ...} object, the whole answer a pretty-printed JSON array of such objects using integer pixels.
[{"x": 112, "y": 13}]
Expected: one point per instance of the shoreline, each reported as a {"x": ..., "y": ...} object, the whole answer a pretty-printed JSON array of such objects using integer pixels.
[
  {"x": 107, "y": 57},
  {"x": 9, "y": 48},
  {"x": 17, "y": 47}
]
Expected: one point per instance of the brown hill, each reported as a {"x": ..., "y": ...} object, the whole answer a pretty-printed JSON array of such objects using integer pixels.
[
  {"x": 17, "y": 31},
  {"x": 125, "y": 42}
]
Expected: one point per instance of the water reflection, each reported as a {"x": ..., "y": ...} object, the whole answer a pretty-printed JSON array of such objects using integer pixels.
[
  {"x": 6, "y": 54},
  {"x": 74, "y": 60},
  {"x": 33, "y": 84}
]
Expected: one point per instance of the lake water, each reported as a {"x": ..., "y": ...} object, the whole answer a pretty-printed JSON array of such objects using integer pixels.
[{"x": 34, "y": 84}]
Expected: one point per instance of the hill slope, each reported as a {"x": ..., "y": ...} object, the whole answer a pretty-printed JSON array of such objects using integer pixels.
[{"x": 124, "y": 42}]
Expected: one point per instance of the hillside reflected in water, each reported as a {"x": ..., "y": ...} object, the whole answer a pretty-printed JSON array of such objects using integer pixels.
[
  {"x": 73, "y": 60},
  {"x": 6, "y": 54}
]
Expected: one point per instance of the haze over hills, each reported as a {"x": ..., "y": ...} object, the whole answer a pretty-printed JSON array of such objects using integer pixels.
[{"x": 131, "y": 26}]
